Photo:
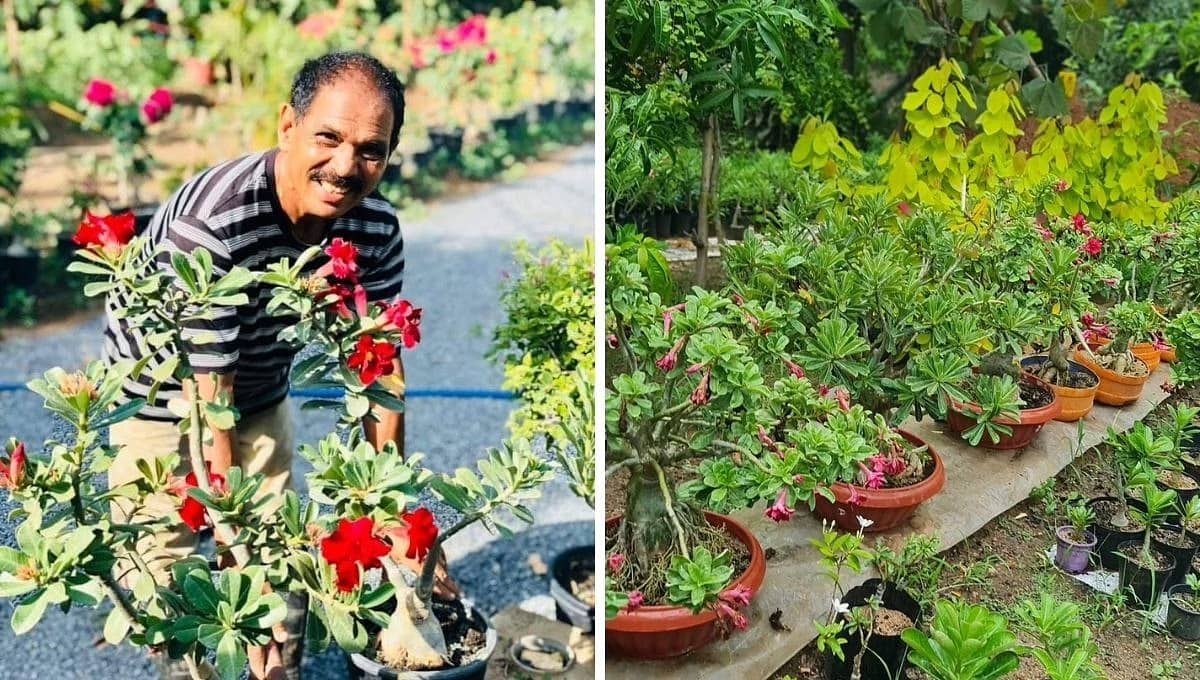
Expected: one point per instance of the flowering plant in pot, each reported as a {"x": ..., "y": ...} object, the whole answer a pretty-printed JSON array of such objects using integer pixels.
[
  {"x": 1122, "y": 371},
  {"x": 1075, "y": 542},
  {"x": 126, "y": 122},
  {"x": 680, "y": 376},
  {"x": 362, "y": 514}
]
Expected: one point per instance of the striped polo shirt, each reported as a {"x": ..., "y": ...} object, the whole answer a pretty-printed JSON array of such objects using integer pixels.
[{"x": 233, "y": 211}]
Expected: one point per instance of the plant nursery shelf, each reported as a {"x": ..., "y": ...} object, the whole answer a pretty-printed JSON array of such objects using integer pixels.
[{"x": 980, "y": 486}]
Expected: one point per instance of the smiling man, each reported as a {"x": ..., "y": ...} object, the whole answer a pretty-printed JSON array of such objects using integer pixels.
[{"x": 335, "y": 136}]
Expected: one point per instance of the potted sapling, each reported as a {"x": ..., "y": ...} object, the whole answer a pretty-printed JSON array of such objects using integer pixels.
[
  {"x": 1145, "y": 569},
  {"x": 1074, "y": 541},
  {"x": 964, "y": 641},
  {"x": 1178, "y": 541},
  {"x": 1122, "y": 372},
  {"x": 1183, "y": 609}
]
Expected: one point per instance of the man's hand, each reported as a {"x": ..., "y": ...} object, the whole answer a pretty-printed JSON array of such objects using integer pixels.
[{"x": 222, "y": 453}]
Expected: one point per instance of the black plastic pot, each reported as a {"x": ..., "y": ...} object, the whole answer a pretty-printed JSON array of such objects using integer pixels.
[
  {"x": 581, "y": 108},
  {"x": 1191, "y": 463},
  {"x": 662, "y": 225},
  {"x": 567, "y": 607},
  {"x": 19, "y": 268},
  {"x": 510, "y": 126},
  {"x": 422, "y": 159},
  {"x": 362, "y": 668},
  {"x": 1183, "y": 622},
  {"x": 1182, "y": 556},
  {"x": 886, "y": 655},
  {"x": 737, "y": 233},
  {"x": 1185, "y": 495},
  {"x": 547, "y": 111},
  {"x": 449, "y": 139},
  {"x": 683, "y": 221},
  {"x": 1107, "y": 539},
  {"x": 1140, "y": 586}
]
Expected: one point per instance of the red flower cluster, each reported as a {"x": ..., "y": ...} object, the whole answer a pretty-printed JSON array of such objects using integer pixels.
[
  {"x": 406, "y": 318},
  {"x": 471, "y": 33},
  {"x": 102, "y": 94},
  {"x": 193, "y": 512},
  {"x": 888, "y": 465},
  {"x": 12, "y": 470},
  {"x": 732, "y": 600},
  {"x": 372, "y": 359},
  {"x": 1080, "y": 224},
  {"x": 343, "y": 260},
  {"x": 158, "y": 105},
  {"x": 1093, "y": 247},
  {"x": 352, "y": 545},
  {"x": 109, "y": 233},
  {"x": 422, "y": 532}
]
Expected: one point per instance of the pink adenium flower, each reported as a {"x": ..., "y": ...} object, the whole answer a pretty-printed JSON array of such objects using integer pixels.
[
  {"x": 855, "y": 498},
  {"x": 491, "y": 58},
  {"x": 1088, "y": 319},
  {"x": 668, "y": 317},
  {"x": 693, "y": 369},
  {"x": 671, "y": 358},
  {"x": 779, "y": 510},
  {"x": 872, "y": 479},
  {"x": 738, "y": 596},
  {"x": 794, "y": 368},
  {"x": 734, "y": 617},
  {"x": 843, "y": 399},
  {"x": 100, "y": 92},
  {"x": 615, "y": 561},
  {"x": 701, "y": 395},
  {"x": 636, "y": 600},
  {"x": 1046, "y": 234},
  {"x": 1093, "y": 247}
]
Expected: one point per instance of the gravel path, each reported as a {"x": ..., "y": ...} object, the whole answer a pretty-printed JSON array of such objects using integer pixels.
[{"x": 456, "y": 255}]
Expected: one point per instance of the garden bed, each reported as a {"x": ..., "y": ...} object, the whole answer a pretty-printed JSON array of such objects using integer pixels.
[{"x": 980, "y": 486}]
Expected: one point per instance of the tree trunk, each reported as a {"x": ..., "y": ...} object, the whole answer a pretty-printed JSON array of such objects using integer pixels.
[
  {"x": 715, "y": 201},
  {"x": 13, "y": 34},
  {"x": 700, "y": 238}
]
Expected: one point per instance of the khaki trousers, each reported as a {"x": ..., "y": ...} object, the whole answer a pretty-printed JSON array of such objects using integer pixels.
[{"x": 265, "y": 444}]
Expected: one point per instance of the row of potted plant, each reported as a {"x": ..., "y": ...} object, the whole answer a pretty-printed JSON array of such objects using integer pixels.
[{"x": 791, "y": 382}]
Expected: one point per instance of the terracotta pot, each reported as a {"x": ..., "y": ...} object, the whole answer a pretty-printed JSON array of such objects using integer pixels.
[
  {"x": 1148, "y": 353},
  {"x": 1076, "y": 402},
  {"x": 664, "y": 631},
  {"x": 199, "y": 71},
  {"x": 1023, "y": 430},
  {"x": 1168, "y": 355},
  {"x": 885, "y": 508},
  {"x": 1115, "y": 389}
]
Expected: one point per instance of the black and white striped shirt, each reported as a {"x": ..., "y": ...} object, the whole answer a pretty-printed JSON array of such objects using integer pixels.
[{"x": 233, "y": 211}]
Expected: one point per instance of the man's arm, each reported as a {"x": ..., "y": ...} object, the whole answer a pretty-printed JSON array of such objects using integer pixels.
[
  {"x": 222, "y": 453},
  {"x": 390, "y": 425}
]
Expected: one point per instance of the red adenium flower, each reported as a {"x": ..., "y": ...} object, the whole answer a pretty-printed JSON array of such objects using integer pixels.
[
  {"x": 406, "y": 318},
  {"x": 372, "y": 359},
  {"x": 158, "y": 105},
  {"x": 346, "y": 293},
  {"x": 1093, "y": 246},
  {"x": 12, "y": 470},
  {"x": 109, "y": 233},
  {"x": 100, "y": 92},
  {"x": 192, "y": 512},
  {"x": 779, "y": 510},
  {"x": 422, "y": 532},
  {"x": 343, "y": 260},
  {"x": 351, "y": 545}
]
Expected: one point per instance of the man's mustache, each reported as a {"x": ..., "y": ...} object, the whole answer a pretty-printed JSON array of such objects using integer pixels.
[{"x": 349, "y": 185}]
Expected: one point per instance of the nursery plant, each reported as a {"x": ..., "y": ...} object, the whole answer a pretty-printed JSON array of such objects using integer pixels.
[
  {"x": 363, "y": 513},
  {"x": 1146, "y": 569},
  {"x": 965, "y": 642},
  {"x": 1066, "y": 649},
  {"x": 1075, "y": 542}
]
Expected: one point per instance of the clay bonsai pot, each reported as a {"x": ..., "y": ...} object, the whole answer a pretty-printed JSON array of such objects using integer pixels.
[
  {"x": 1071, "y": 556},
  {"x": 199, "y": 71},
  {"x": 1168, "y": 355},
  {"x": 1115, "y": 388},
  {"x": 1147, "y": 352},
  {"x": 1182, "y": 620},
  {"x": 1023, "y": 430},
  {"x": 665, "y": 631},
  {"x": 885, "y": 508},
  {"x": 1076, "y": 402}
]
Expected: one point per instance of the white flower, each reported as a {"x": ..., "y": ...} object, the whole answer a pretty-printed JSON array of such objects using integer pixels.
[
  {"x": 864, "y": 522},
  {"x": 839, "y": 607}
]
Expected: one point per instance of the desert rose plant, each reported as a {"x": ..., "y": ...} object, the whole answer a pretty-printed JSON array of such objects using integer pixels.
[{"x": 363, "y": 514}]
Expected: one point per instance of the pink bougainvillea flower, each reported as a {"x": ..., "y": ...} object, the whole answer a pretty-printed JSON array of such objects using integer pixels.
[
  {"x": 343, "y": 260},
  {"x": 904, "y": 208},
  {"x": 1093, "y": 247},
  {"x": 738, "y": 596},
  {"x": 158, "y": 105},
  {"x": 701, "y": 395},
  {"x": 318, "y": 25},
  {"x": 779, "y": 510},
  {"x": 372, "y": 359},
  {"x": 422, "y": 532},
  {"x": 636, "y": 600},
  {"x": 110, "y": 233},
  {"x": 1061, "y": 185},
  {"x": 446, "y": 40},
  {"x": 671, "y": 358},
  {"x": 615, "y": 561},
  {"x": 100, "y": 92},
  {"x": 472, "y": 31}
]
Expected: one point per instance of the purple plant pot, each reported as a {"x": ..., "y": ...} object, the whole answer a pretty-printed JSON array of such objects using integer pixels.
[{"x": 1072, "y": 557}]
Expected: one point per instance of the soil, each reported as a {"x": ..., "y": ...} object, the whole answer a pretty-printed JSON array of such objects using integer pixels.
[
  {"x": 1134, "y": 554},
  {"x": 1137, "y": 368},
  {"x": 1187, "y": 601},
  {"x": 891, "y": 622},
  {"x": 1177, "y": 480},
  {"x": 1173, "y": 539},
  {"x": 582, "y": 576},
  {"x": 465, "y": 634},
  {"x": 543, "y": 660},
  {"x": 1035, "y": 396},
  {"x": 1014, "y": 545}
]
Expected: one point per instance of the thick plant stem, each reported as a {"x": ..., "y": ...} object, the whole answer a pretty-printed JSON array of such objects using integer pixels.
[
  {"x": 670, "y": 508},
  {"x": 413, "y": 639},
  {"x": 196, "y": 456}
]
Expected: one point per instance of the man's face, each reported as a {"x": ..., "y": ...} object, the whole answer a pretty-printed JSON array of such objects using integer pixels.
[{"x": 338, "y": 150}]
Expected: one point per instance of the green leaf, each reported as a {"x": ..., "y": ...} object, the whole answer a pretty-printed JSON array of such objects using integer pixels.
[
  {"x": 1087, "y": 38},
  {"x": 11, "y": 586},
  {"x": 27, "y": 614},
  {"x": 1046, "y": 98},
  {"x": 231, "y": 657},
  {"x": 121, "y": 413},
  {"x": 1013, "y": 52},
  {"x": 200, "y": 593},
  {"x": 187, "y": 275},
  {"x": 116, "y": 626},
  {"x": 10, "y": 559}
]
